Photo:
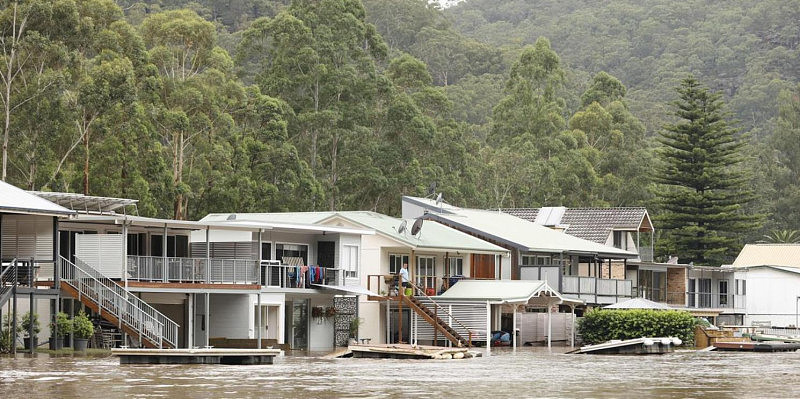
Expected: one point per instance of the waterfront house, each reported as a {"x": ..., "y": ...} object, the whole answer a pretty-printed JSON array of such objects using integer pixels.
[
  {"x": 437, "y": 256},
  {"x": 573, "y": 266}
]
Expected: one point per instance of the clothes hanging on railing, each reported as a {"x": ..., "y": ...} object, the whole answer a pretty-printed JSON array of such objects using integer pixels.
[
  {"x": 312, "y": 271},
  {"x": 302, "y": 280}
]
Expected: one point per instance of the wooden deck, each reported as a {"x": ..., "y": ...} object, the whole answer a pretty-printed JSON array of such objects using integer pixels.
[
  {"x": 404, "y": 351},
  {"x": 196, "y": 356}
]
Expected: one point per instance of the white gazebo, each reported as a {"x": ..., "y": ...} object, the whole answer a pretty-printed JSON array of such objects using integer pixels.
[{"x": 511, "y": 293}]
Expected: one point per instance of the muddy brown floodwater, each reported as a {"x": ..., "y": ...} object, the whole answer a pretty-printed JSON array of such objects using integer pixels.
[{"x": 525, "y": 373}]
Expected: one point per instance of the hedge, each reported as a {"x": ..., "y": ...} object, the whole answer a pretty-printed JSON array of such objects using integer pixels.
[{"x": 600, "y": 326}]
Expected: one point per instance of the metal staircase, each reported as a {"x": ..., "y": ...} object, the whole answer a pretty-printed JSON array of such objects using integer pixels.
[
  {"x": 117, "y": 305},
  {"x": 432, "y": 317}
]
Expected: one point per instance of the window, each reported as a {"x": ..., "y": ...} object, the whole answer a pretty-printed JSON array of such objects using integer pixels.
[
  {"x": 704, "y": 292},
  {"x": 528, "y": 260},
  {"x": 426, "y": 271},
  {"x": 291, "y": 250},
  {"x": 653, "y": 285},
  {"x": 396, "y": 262},
  {"x": 691, "y": 303},
  {"x": 621, "y": 239},
  {"x": 723, "y": 293},
  {"x": 350, "y": 261},
  {"x": 537, "y": 260},
  {"x": 455, "y": 266}
]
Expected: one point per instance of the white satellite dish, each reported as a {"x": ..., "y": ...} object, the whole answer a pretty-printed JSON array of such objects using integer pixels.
[
  {"x": 439, "y": 199},
  {"x": 402, "y": 228},
  {"x": 416, "y": 227}
]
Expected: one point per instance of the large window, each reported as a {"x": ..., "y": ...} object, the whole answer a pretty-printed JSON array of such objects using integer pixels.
[
  {"x": 653, "y": 284},
  {"x": 426, "y": 271},
  {"x": 455, "y": 267},
  {"x": 291, "y": 251},
  {"x": 723, "y": 293},
  {"x": 538, "y": 260},
  {"x": 704, "y": 292},
  {"x": 350, "y": 260},
  {"x": 396, "y": 262}
]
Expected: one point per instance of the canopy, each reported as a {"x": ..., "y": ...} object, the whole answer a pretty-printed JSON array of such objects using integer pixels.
[
  {"x": 639, "y": 303},
  {"x": 507, "y": 292},
  {"x": 345, "y": 289}
]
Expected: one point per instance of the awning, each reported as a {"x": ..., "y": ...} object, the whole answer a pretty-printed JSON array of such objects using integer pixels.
[
  {"x": 345, "y": 289},
  {"x": 532, "y": 292}
]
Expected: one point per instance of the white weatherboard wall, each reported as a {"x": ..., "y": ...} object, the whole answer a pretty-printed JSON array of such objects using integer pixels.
[
  {"x": 320, "y": 331},
  {"x": 231, "y": 316},
  {"x": 103, "y": 252},
  {"x": 771, "y": 296},
  {"x": 27, "y": 236}
]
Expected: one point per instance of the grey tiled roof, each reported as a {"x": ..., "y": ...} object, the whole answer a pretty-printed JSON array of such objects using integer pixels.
[{"x": 593, "y": 224}]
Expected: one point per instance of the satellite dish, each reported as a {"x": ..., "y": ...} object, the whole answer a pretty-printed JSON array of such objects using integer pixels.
[
  {"x": 439, "y": 199},
  {"x": 416, "y": 227},
  {"x": 232, "y": 216},
  {"x": 402, "y": 228}
]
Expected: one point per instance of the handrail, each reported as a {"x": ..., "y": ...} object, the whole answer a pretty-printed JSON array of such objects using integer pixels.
[
  {"x": 5, "y": 277},
  {"x": 114, "y": 299},
  {"x": 469, "y": 331}
]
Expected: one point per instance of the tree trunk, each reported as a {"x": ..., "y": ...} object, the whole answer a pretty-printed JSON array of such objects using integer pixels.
[
  {"x": 86, "y": 162},
  {"x": 177, "y": 175},
  {"x": 334, "y": 173}
]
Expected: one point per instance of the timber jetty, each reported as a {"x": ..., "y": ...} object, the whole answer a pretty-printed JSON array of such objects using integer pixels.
[{"x": 196, "y": 356}]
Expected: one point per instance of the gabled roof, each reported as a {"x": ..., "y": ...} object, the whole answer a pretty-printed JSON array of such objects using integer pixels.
[
  {"x": 638, "y": 303},
  {"x": 17, "y": 200},
  {"x": 504, "y": 291},
  {"x": 432, "y": 236},
  {"x": 513, "y": 231},
  {"x": 593, "y": 224},
  {"x": 769, "y": 255}
]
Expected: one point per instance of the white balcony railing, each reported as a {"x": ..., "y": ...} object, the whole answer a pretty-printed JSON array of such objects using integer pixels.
[
  {"x": 582, "y": 285},
  {"x": 715, "y": 301},
  {"x": 192, "y": 270}
]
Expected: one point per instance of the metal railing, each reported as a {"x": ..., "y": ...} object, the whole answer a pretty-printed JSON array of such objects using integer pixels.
[
  {"x": 580, "y": 285},
  {"x": 699, "y": 300},
  {"x": 8, "y": 280},
  {"x": 646, "y": 254},
  {"x": 113, "y": 299},
  {"x": 386, "y": 284},
  {"x": 274, "y": 274},
  {"x": 192, "y": 270}
]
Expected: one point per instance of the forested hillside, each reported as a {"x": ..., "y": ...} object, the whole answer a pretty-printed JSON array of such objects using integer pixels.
[{"x": 272, "y": 105}]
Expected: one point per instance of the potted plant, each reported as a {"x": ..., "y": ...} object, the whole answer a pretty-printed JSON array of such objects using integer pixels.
[
  {"x": 354, "y": 324},
  {"x": 62, "y": 326},
  {"x": 29, "y": 319},
  {"x": 330, "y": 311},
  {"x": 82, "y": 329}
]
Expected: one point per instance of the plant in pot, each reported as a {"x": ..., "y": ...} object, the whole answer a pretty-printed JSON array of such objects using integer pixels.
[
  {"x": 354, "y": 324},
  {"x": 82, "y": 329},
  {"x": 29, "y": 320},
  {"x": 62, "y": 326}
]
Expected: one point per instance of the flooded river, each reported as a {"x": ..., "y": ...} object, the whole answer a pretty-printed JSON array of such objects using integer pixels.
[{"x": 526, "y": 373}]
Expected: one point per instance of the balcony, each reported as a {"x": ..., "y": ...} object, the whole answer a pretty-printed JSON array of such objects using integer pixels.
[
  {"x": 707, "y": 300},
  {"x": 192, "y": 270},
  {"x": 275, "y": 274},
  {"x": 593, "y": 286}
]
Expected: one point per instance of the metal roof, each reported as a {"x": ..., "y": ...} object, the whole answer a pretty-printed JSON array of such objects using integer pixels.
[
  {"x": 638, "y": 303},
  {"x": 86, "y": 203},
  {"x": 522, "y": 234},
  {"x": 768, "y": 254},
  {"x": 593, "y": 224},
  {"x": 17, "y": 200},
  {"x": 504, "y": 291},
  {"x": 432, "y": 236}
]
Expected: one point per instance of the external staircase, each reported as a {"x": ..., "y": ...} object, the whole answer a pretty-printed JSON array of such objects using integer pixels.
[
  {"x": 432, "y": 317},
  {"x": 117, "y": 305}
]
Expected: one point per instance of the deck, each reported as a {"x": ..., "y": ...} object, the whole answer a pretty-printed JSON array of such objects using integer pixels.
[
  {"x": 196, "y": 356},
  {"x": 404, "y": 351}
]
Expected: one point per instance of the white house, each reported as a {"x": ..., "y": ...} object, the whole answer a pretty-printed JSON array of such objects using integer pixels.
[{"x": 769, "y": 276}]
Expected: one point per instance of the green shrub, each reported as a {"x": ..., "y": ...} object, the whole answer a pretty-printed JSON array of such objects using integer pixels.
[
  {"x": 63, "y": 323},
  {"x": 603, "y": 325},
  {"x": 6, "y": 337},
  {"x": 82, "y": 327},
  {"x": 26, "y": 324}
]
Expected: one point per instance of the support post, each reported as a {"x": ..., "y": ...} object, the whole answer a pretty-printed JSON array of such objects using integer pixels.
[
  {"x": 14, "y": 311},
  {"x": 56, "y": 280},
  {"x": 208, "y": 257},
  {"x": 258, "y": 309},
  {"x": 31, "y": 310},
  {"x": 190, "y": 321},
  {"x": 208, "y": 316},
  {"x": 125, "y": 253},
  {"x": 388, "y": 322},
  {"x": 164, "y": 254},
  {"x": 549, "y": 324},
  {"x": 572, "y": 337},
  {"x": 514, "y": 329}
]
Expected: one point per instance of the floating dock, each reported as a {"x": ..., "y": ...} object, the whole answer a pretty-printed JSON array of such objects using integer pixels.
[
  {"x": 402, "y": 351},
  {"x": 636, "y": 346},
  {"x": 196, "y": 356},
  {"x": 757, "y": 346}
]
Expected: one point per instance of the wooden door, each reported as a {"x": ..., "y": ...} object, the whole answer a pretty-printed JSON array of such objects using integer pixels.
[{"x": 482, "y": 266}]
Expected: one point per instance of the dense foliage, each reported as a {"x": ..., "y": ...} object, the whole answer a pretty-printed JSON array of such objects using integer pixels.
[
  {"x": 277, "y": 105},
  {"x": 601, "y": 325},
  {"x": 704, "y": 188}
]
